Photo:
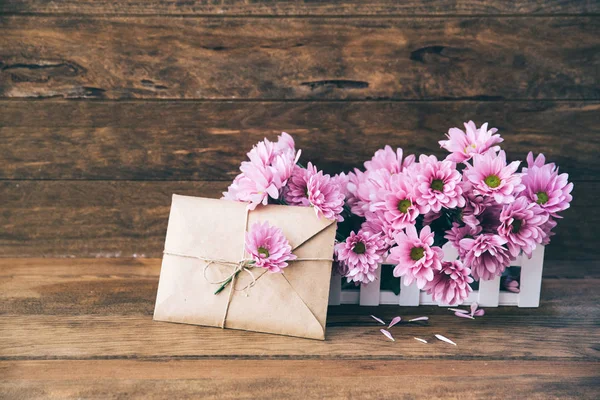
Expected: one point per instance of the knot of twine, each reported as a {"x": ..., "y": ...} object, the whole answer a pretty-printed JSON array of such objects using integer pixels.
[{"x": 243, "y": 265}]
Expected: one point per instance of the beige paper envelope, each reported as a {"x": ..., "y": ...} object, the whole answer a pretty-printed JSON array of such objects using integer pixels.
[{"x": 291, "y": 303}]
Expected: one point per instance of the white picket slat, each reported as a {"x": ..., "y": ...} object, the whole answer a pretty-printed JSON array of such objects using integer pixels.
[
  {"x": 531, "y": 278},
  {"x": 489, "y": 292},
  {"x": 409, "y": 295},
  {"x": 369, "y": 294}
]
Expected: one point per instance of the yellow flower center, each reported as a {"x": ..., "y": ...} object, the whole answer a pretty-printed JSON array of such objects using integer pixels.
[
  {"x": 416, "y": 253},
  {"x": 542, "y": 197},
  {"x": 492, "y": 181},
  {"x": 437, "y": 184},
  {"x": 403, "y": 205},
  {"x": 264, "y": 251},
  {"x": 359, "y": 248}
]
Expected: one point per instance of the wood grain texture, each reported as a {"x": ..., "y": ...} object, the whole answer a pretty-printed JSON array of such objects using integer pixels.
[
  {"x": 109, "y": 337},
  {"x": 208, "y": 140},
  {"x": 291, "y": 379},
  {"x": 302, "y": 58},
  {"x": 293, "y": 7},
  {"x": 123, "y": 286},
  {"x": 127, "y": 218}
]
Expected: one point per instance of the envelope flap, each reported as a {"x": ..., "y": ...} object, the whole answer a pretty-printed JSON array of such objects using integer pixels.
[{"x": 298, "y": 224}]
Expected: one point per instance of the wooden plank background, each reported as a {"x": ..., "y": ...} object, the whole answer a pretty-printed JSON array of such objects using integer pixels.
[{"x": 107, "y": 108}]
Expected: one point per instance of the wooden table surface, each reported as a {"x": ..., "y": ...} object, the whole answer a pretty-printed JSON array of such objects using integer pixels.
[{"x": 75, "y": 328}]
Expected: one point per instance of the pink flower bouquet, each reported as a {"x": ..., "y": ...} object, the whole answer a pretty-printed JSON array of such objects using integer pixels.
[{"x": 401, "y": 209}]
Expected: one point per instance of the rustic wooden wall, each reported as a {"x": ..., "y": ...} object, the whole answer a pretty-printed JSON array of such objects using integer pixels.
[{"x": 107, "y": 107}]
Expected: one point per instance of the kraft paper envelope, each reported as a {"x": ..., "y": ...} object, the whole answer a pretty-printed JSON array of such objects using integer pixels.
[{"x": 291, "y": 303}]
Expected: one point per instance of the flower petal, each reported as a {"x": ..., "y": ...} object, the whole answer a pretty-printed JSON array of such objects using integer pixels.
[
  {"x": 445, "y": 339},
  {"x": 418, "y": 319},
  {"x": 463, "y": 315},
  {"x": 458, "y": 310},
  {"x": 421, "y": 340},
  {"x": 395, "y": 320},
  {"x": 387, "y": 334},
  {"x": 474, "y": 307},
  {"x": 479, "y": 313},
  {"x": 378, "y": 320}
]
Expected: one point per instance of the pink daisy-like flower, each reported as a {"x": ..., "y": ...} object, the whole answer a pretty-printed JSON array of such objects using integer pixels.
[
  {"x": 463, "y": 145},
  {"x": 521, "y": 225},
  {"x": 285, "y": 142},
  {"x": 438, "y": 184},
  {"x": 341, "y": 180},
  {"x": 415, "y": 256},
  {"x": 389, "y": 160},
  {"x": 547, "y": 229},
  {"x": 360, "y": 256},
  {"x": 486, "y": 255},
  {"x": 490, "y": 176},
  {"x": 268, "y": 247},
  {"x": 376, "y": 224},
  {"x": 363, "y": 188},
  {"x": 544, "y": 186},
  {"x": 474, "y": 205},
  {"x": 398, "y": 202},
  {"x": 295, "y": 193},
  {"x": 458, "y": 233},
  {"x": 325, "y": 196},
  {"x": 450, "y": 285},
  {"x": 262, "y": 153}
]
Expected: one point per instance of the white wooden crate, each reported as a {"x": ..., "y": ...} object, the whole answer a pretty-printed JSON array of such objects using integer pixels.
[{"x": 488, "y": 295}]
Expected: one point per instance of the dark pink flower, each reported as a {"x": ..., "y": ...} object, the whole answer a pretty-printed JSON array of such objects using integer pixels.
[
  {"x": 325, "y": 196},
  {"x": 521, "y": 225},
  {"x": 268, "y": 247},
  {"x": 360, "y": 256},
  {"x": 544, "y": 186},
  {"x": 389, "y": 160},
  {"x": 397, "y": 202},
  {"x": 458, "y": 233},
  {"x": 490, "y": 176},
  {"x": 295, "y": 193},
  {"x": 463, "y": 145},
  {"x": 415, "y": 256},
  {"x": 486, "y": 255},
  {"x": 450, "y": 285},
  {"x": 437, "y": 184}
]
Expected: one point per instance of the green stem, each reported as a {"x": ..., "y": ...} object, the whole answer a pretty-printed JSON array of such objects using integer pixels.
[{"x": 220, "y": 289}]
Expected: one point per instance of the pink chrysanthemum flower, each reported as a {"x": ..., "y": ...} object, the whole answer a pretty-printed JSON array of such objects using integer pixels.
[
  {"x": 458, "y": 233},
  {"x": 363, "y": 188},
  {"x": 342, "y": 180},
  {"x": 463, "y": 145},
  {"x": 545, "y": 186},
  {"x": 474, "y": 205},
  {"x": 377, "y": 224},
  {"x": 360, "y": 255},
  {"x": 486, "y": 255},
  {"x": 415, "y": 256},
  {"x": 521, "y": 225},
  {"x": 438, "y": 184},
  {"x": 490, "y": 176},
  {"x": 295, "y": 193},
  {"x": 285, "y": 142},
  {"x": 398, "y": 202},
  {"x": 325, "y": 196},
  {"x": 547, "y": 229},
  {"x": 451, "y": 284},
  {"x": 268, "y": 247},
  {"x": 389, "y": 160}
]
